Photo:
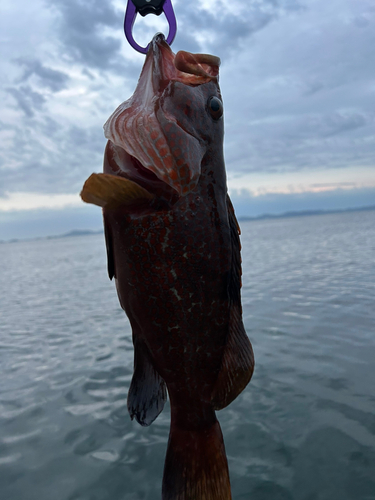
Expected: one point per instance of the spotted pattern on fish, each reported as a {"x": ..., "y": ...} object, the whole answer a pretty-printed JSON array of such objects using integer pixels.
[
  {"x": 177, "y": 267},
  {"x": 155, "y": 267}
]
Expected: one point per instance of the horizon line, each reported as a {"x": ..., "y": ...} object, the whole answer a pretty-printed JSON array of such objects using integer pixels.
[{"x": 242, "y": 218}]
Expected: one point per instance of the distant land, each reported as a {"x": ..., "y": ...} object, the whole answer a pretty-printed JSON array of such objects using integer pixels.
[
  {"x": 302, "y": 213},
  {"x": 75, "y": 232}
]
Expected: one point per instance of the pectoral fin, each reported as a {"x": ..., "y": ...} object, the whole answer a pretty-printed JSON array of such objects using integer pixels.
[{"x": 111, "y": 191}]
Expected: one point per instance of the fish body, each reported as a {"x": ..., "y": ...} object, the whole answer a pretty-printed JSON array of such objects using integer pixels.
[{"x": 174, "y": 252}]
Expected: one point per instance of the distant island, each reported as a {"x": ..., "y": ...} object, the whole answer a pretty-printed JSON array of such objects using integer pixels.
[
  {"x": 75, "y": 232},
  {"x": 304, "y": 213},
  {"x": 243, "y": 218}
]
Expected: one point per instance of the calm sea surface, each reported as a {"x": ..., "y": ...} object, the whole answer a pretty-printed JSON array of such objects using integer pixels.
[{"x": 304, "y": 429}]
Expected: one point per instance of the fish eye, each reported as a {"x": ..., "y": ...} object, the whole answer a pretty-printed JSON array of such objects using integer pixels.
[{"x": 215, "y": 107}]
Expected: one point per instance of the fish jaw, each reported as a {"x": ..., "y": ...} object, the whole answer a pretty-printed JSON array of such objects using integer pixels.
[{"x": 151, "y": 138}]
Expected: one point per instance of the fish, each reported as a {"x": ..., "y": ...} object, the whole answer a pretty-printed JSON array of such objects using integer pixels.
[{"x": 173, "y": 248}]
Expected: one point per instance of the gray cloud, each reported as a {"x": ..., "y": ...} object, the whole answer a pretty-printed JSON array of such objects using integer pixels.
[
  {"x": 338, "y": 122},
  {"x": 221, "y": 32},
  {"x": 297, "y": 80},
  {"x": 81, "y": 25},
  {"x": 76, "y": 153},
  {"x": 51, "y": 78},
  {"x": 286, "y": 149},
  {"x": 27, "y": 99},
  {"x": 303, "y": 93}
]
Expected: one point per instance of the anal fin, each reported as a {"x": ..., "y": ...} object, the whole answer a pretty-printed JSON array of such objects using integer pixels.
[
  {"x": 147, "y": 393},
  {"x": 237, "y": 365}
]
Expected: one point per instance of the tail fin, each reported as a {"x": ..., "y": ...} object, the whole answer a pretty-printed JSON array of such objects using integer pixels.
[{"x": 196, "y": 466}]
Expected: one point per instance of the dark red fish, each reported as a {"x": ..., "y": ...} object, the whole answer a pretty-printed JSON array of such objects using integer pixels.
[{"x": 174, "y": 251}]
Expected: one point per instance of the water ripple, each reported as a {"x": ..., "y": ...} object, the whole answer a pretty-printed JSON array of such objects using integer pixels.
[{"x": 303, "y": 429}]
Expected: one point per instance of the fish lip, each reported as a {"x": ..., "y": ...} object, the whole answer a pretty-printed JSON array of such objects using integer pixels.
[{"x": 187, "y": 68}]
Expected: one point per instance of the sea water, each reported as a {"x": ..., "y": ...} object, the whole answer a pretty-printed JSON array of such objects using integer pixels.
[{"x": 304, "y": 429}]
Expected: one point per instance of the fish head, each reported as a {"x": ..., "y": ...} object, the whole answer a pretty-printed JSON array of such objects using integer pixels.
[{"x": 160, "y": 135}]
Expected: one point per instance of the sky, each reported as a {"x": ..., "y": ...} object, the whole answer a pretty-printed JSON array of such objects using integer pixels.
[{"x": 297, "y": 78}]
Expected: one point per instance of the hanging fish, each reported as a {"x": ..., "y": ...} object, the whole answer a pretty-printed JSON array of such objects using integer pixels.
[{"x": 174, "y": 250}]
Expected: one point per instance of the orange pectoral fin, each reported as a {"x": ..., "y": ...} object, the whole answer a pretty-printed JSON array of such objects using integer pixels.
[{"x": 110, "y": 191}]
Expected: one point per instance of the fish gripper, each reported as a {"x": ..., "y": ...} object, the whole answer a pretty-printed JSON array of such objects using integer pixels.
[{"x": 144, "y": 7}]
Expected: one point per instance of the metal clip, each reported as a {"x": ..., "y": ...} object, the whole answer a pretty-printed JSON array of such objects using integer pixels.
[{"x": 144, "y": 7}]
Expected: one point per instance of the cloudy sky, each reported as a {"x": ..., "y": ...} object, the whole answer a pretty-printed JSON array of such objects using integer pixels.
[{"x": 297, "y": 77}]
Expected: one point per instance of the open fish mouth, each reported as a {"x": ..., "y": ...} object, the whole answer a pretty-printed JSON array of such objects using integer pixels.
[
  {"x": 149, "y": 145},
  {"x": 118, "y": 161}
]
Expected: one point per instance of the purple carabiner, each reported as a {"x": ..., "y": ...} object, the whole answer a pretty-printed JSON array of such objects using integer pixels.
[{"x": 131, "y": 14}]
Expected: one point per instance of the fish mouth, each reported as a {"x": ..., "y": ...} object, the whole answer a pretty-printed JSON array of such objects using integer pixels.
[
  {"x": 142, "y": 138},
  {"x": 189, "y": 69},
  {"x": 118, "y": 162}
]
